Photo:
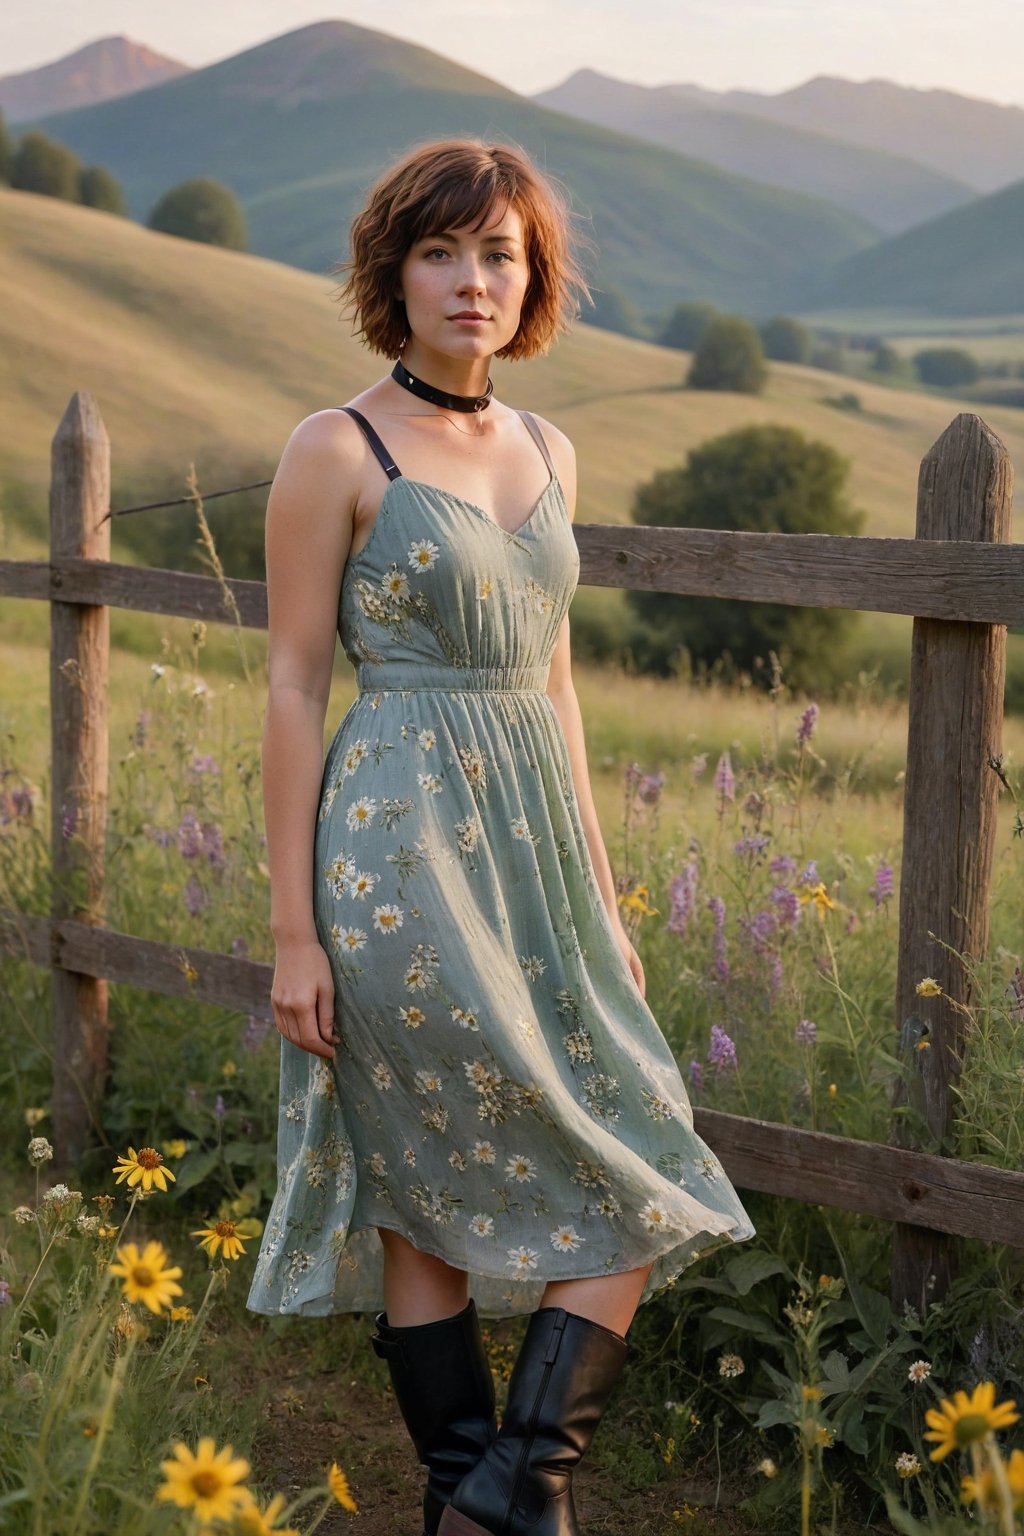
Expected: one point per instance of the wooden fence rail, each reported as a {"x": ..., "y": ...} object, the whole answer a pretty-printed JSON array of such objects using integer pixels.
[{"x": 960, "y": 578}]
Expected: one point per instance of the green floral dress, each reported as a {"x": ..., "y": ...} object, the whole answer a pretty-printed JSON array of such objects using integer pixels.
[{"x": 502, "y": 1095}]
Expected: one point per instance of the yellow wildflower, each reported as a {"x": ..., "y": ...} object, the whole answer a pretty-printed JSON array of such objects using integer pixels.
[
  {"x": 768, "y": 1467},
  {"x": 223, "y": 1238},
  {"x": 143, "y": 1167},
  {"x": 338, "y": 1484},
  {"x": 966, "y": 1419},
  {"x": 33, "y": 1116},
  {"x": 228, "y": 1069},
  {"x": 182, "y": 1314},
  {"x": 176, "y": 1147},
  {"x": 810, "y": 1393},
  {"x": 147, "y": 1277},
  {"x": 207, "y": 1483},
  {"x": 251, "y": 1521},
  {"x": 819, "y": 895},
  {"x": 637, "y": 900},
  {"x": 928, "y": 987},
  {"x": 832, "y": 1090}
]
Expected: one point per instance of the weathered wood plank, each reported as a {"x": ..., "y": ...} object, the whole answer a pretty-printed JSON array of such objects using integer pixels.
[
  {"x": 943, "y": 1194},
  {"x": 931, "y": 578},
  {"x": 79, "y": 749}
]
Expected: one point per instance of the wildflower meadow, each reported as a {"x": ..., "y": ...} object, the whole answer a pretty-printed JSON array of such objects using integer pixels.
[{"x": 756, "y": 840}]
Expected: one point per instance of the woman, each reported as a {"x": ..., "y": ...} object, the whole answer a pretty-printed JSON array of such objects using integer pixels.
[{"x": 471, "y": 1080}]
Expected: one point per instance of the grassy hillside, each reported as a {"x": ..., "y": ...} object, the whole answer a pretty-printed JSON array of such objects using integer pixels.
[
  {"x": 300, "y": 125},
  {"x": 887, "y": 188},
  {"x": 201, "y": 355}
]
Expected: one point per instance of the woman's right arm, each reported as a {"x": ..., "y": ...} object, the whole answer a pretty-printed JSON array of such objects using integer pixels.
[{"x": 308, "y": 537}]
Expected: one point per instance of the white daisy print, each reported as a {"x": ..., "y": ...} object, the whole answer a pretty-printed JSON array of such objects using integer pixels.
[
  {"x": 464, "y": 1017},
  {"x": 481, "y": 1225},
  {"x": 655, "y": 1217},
  {"x": 533, "y": 966},
  {"x": 521, "y": 1261},
  {"x": 484, "y": 1152},
  {"x": 353, "y": 757},
  {"x": 458, "y": 1161},
  {"x": 423, "y": 554},
  {"x": 520, "y": 828},
  {"x": 412, "y": 1017},
  {"x": 428, "y": 1081},
  {"x": 430, "y": 781},
  {"x": 426, "y": 739},
  {"x": 377, "y": 1164},
  {"x": 526, "y": 1027},
  {"x": 360, "y": 813},
  {"x": 362, "y": 883},
  {"x": 409, "y": 1157},
  {"x": 520, "y": 1168},
  {"x": 346, "y": 940},
  {"x": 566, "y": 1239},
  {"x": 381, "y": 1075},
  {"x": 396, "y": 583},
  {"x": 387, "y": 918}
]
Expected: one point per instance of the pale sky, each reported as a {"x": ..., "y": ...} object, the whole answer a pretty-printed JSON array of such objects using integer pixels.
[{"x": 529, "y": 45}]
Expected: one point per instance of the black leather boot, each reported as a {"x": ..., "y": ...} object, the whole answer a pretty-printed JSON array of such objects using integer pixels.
[
  {"x": 443, "y": 1384},
  {"x": 560, "y": 1385}
]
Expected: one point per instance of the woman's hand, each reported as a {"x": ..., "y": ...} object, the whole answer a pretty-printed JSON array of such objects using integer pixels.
[
  {"x": 302, "y": 997},
  {"x": 630, "y": 955}
]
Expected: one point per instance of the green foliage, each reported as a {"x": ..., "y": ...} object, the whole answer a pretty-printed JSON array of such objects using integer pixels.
[
  {"x": 686, "y": 325},
  {"x": 201, "y": 209},
  {"x": 829, "y": 356},
  {"x": 614, "y": 311},
  {"x": 729, "y": 356},
  {"x": 946, "y": 366},
  {"x": 97, "y": 188},
  {"x": 785, "y": 340},
  {"x": 43, "y": 165},
  {"x": 885, "y": 359},
  {"x": 763, "y": 479}
]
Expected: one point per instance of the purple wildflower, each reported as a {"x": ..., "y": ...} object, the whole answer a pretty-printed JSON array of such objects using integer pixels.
[
  {"x": 783, "y": 864},
  {"x": 809, "y": 874},
  {"x": 194, "y": 896},
  {"x": 213, "y": 843},
  {"x": 162, "y": 836},
  {"x": 725, "y": 779},
  {"x": 649, "y": 788},
  {"x": 808, "y": 720},
  {"x": 716, "y": 906},
  {"x": 219, "y": 1107},
  {"x": 239, "y": 946},
  {"x": 696, "y": 1076},
  {"x": 1016, "y": 991},
  {"x": 256, "y": 1031},
  {"x": 756, "y": 843},
  {"x": 698, "y": 765},
  {"x": 683, "y": 893},
  {"x": 722, "y": 1051},
  {"x": 190, "y": 836},
  {"x": 68, "y": 821},
  {"x": 806, "y": 1032},
  {"x": 21, "y": 802},
  {"x": 206, "y": 763},
  {"x": 5, "y": 1293},
  {"x": 633, "y": 775},
  {"x": 761, "y": 927},
  {"x": 788, "y": 904},
  {"x": 141, "y": 727},
  {"x": 883, "y": 886},
  {"x": 775, "y": 973}
]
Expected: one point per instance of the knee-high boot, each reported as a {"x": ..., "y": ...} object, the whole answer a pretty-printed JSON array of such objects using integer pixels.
[
  {"x": 562, "y": 1380},
  {"x": 445, "y": 1391}
]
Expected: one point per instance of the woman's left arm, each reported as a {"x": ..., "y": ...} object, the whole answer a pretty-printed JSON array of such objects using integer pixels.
[{"x": 562, "y": 693}]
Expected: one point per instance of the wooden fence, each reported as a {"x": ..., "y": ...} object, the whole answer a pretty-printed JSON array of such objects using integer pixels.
[{"x": 961, "y": 579}]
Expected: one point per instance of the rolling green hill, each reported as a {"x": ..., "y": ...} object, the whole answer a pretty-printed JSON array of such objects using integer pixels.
[
  {"x": 300, "y": 125},
  {"x": 967, "y": 262}
]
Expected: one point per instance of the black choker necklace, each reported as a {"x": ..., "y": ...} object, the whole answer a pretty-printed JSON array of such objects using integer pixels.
[{"x": 401, "y": 375}]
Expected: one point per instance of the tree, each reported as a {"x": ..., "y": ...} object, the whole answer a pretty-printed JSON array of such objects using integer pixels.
[
  {"x": 613, "y": 311},
  {"x": 886, "y": 359},
  {"x": 201, "y": 209},
  {"x": 686, "y": 325},
  {"x": 729, "y": 356},
  {"x": 946, "y": 365},
  {"x": 767, "y": 478},
  {"x": 6, "y": 151},
  {"x": 785, "y": 340},
  {"x": 42, "y": 165},
  {"x": 97, "y": 188}
]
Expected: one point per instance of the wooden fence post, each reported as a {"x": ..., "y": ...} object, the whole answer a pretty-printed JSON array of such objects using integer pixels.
[
  {"x": 79, "y": 675},
  {"x": 957, "y": 677}
]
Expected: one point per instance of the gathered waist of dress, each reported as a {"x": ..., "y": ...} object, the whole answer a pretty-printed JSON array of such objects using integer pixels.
[{"x": 408, "y": 676}]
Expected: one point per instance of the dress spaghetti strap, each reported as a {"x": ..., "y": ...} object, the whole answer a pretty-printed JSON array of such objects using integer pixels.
[
  {"x": 538, "y": 438},
  {"x": 384, "y": 458}
]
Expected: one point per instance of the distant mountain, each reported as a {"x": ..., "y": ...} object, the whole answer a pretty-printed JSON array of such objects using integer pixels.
[
  {"x": 966, "y": 263},
  {"x": 886, "y": 188},
  {"x": 299, "y": 126},
  {"x": 978, "y": 142},
  {"x": 110, "y": 67}
]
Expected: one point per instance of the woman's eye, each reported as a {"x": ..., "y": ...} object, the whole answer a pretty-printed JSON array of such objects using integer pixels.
[{"x": 435, "y": 248}]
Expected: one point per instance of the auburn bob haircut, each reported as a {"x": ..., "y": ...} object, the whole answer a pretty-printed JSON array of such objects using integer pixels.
[{"x": 442, "y": 185}]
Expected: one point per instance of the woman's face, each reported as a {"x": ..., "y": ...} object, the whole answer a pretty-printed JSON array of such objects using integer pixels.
[{"x": 459, "y": 270}]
